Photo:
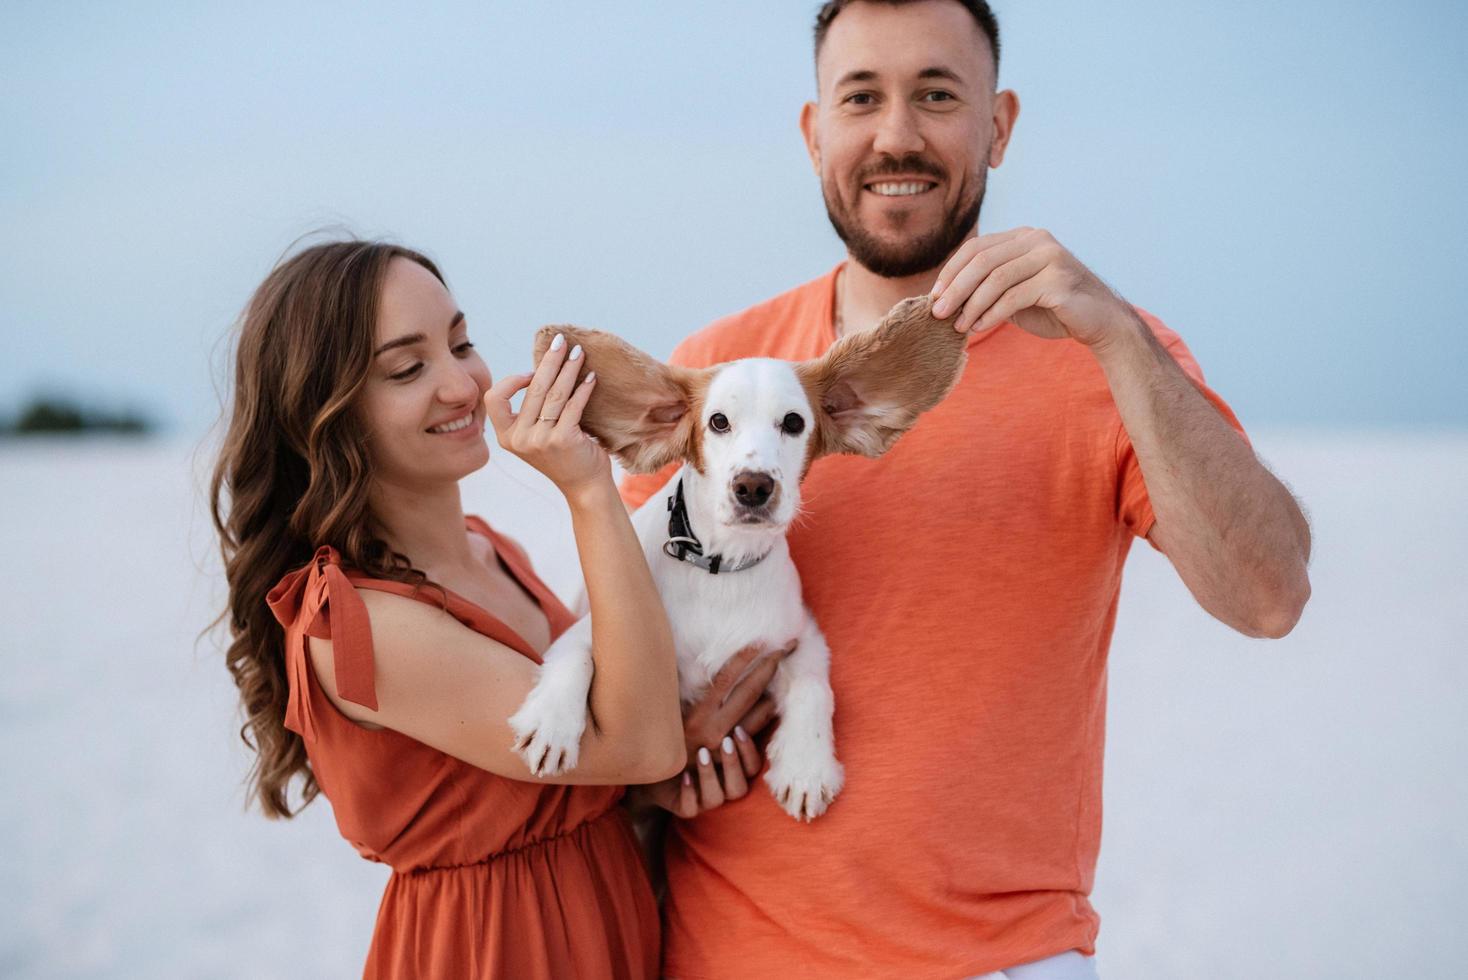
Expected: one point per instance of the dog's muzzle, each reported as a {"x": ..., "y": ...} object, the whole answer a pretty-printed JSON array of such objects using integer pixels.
[{"x": 754, "y": 490}]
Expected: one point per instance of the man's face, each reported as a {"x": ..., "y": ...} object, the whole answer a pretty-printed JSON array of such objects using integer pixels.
[{"x": 903, "y": 134}]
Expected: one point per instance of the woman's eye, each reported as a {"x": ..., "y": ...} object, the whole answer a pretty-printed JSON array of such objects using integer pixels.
[
  {"x": 792, "y": 424},
  {"x": 718, "y": 422},
  {"x": 464, "y": 348},
  {"x": 406, "y": 373}
]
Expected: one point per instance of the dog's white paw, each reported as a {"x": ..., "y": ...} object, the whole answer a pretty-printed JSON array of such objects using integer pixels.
[
  {"x": 548, "y": 730},
  {"x": 804, "y": 782}
]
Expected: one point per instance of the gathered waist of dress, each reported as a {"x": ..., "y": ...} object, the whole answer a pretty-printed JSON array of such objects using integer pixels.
[{"x": 527, "y": 849}]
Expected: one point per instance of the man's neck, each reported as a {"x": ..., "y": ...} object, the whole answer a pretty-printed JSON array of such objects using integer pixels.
[{"x": 863, "y": 297}]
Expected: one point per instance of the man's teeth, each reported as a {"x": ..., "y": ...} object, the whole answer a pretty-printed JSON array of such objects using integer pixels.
[
  {"x": 892, "y": 189},
  {"x": 462, "y": 423}
]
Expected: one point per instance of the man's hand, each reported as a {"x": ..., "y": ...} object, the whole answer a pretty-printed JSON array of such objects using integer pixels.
[
  {"x": 1235, "y": 533},
  {"x": 1025, "y": 276},
  {"x": 719, "y": 731}
]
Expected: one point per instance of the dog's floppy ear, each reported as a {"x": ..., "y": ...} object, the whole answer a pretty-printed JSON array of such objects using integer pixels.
[
  {"x": 870, "y": 388},
  {"x": 641, "y": 410}
]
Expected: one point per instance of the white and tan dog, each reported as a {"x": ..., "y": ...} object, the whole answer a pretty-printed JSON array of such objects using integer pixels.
[{"x": 746, "y": 432}]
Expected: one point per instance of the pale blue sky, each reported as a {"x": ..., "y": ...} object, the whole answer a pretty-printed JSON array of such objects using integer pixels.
[{"x": 1281, "y": 182}]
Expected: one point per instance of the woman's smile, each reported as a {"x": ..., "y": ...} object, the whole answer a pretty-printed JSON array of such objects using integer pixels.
[{"x": 465, "y": 426}]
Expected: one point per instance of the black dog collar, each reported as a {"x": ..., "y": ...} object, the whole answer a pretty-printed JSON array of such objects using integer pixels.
[{"x": 684, "y": 545}]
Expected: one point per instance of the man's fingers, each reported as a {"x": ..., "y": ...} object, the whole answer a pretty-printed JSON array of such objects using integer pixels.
[
  {"x": 734, "y": 668},
  {"x": 756, "y": 718},
  {"x": 742, "y": 696},
  {"x": 996, "y": 283},
  {"x": 497, "y": 401},
  {"x": 750, "y": 760},
  {"x": 961, "y": 258},
  {"x": 710, "y": 793},
  {"x": 973, "y": 275},
  {"x": 732, "y": 767},
  {"x": 1021, "y": 297}
]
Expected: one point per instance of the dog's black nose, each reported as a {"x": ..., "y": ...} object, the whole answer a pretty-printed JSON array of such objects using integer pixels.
[{"x": 753, "y": 489}]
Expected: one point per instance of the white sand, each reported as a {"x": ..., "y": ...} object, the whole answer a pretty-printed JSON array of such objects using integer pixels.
[{"x": 1288, "y": 809}]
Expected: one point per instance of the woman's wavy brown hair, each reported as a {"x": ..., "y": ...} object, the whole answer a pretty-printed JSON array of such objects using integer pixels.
[{"x": 293, "y": 474}]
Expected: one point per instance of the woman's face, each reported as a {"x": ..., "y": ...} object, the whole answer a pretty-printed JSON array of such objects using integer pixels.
[{"x": 422, "y": 405}]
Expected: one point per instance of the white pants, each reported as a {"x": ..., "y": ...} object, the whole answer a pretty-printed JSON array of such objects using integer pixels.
[{"x": 1064, "y": 966}]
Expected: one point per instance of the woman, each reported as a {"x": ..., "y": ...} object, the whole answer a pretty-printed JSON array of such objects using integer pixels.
[{"x": 381, "y": 638}]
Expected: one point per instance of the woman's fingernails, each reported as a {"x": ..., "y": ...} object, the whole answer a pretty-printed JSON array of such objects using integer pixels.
[
  {"x": 575, "y": 352},
  {"x": 740, "y": 733},
  {"x": 687, "y": 779},
  {"x": 558, "y": 343},
  {"x": 728, "y": 745},
  {"x": 937, "y": 290},
  {"x": 590, "y": 377},
  {"x": 704, "y": 759},
  {"x": 940, "y": 308}
]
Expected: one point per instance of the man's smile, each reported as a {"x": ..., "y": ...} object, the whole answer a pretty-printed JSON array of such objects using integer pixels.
[{"x": 900, "y": 188}]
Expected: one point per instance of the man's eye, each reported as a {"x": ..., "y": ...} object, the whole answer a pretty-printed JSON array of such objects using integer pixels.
[
  {"x": 792, "y": 424},
  {"x": 938, "y": 96},
  {"x": 718, "y": 422},
  {"x": 860, "y": 98},
  {"x": 406, "y": 373}
]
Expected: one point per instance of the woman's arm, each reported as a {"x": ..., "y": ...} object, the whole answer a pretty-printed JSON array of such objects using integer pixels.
[
  {"x": 635, "y": 711},
  {"x": 451, "y": 688}
]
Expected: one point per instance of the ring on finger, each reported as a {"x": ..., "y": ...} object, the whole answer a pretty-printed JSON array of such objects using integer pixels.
[{"x": 547, "y": 418}]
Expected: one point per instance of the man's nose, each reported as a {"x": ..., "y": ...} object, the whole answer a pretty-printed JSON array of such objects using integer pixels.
[
  {"x": 897, "y": 131},
  {"x": 753, "y": 489}
]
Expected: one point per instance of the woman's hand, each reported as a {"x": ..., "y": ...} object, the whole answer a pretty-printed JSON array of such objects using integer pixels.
[
  {"x": 546, "y": 432},
  {"x": 719, "y": 732}
]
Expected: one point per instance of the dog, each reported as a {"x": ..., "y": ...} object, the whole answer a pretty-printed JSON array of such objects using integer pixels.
[{"x": 746, "y": 432}]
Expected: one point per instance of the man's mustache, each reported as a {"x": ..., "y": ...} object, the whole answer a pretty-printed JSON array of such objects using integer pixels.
[{"x": 911, "y": 164}]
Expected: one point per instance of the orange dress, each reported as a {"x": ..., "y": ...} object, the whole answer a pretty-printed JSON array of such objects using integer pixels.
[{"x": 492, "y": 877}]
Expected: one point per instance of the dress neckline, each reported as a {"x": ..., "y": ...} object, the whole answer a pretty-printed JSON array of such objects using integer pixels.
[{"x": 471, "y": 613}]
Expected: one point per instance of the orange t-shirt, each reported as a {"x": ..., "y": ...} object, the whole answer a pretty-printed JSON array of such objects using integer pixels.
[{"x": 967, "y": 582}]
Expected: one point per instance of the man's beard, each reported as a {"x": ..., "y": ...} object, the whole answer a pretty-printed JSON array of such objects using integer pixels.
[{"x": 900, "y": 259}]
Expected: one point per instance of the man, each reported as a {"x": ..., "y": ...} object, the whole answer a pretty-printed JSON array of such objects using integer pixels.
[{"x": 968, "y": 580}]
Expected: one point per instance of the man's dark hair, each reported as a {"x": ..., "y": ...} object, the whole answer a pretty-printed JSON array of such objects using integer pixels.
[{"x": 978, "y": 8}]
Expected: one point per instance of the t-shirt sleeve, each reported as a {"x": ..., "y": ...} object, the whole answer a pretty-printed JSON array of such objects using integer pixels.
[
  {"x": 637, "y": 488},
  {"x": 1134, "y": 506}
]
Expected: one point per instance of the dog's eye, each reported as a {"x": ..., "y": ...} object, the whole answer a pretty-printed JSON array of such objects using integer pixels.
[
  {"x": 792, "y": 424},
  {"x": 718, "y": 422}
]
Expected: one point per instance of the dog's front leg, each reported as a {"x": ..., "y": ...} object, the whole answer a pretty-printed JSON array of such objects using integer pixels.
[
  {"x": 804, "y": 775},
  {"x": 549, "y": 724}
]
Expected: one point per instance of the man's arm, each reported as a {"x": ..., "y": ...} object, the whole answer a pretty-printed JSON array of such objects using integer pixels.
[{"x": 1234, "y": 533}]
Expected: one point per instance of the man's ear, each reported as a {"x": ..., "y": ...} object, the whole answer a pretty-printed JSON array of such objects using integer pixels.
[
  {"x": 870, "y": 387},
  {"x": 641, "y": 409},
  {"x": 1006, "y": 113},
  {"x": 808, "y": 114}
]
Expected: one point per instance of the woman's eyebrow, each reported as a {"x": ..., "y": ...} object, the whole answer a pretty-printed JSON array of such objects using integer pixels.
[
  {"x": 395, "y": 343},
  {"x": 414, "y": 338}
]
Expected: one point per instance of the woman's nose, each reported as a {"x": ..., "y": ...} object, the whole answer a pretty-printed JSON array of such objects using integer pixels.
[{"x": 457, "y": 387}]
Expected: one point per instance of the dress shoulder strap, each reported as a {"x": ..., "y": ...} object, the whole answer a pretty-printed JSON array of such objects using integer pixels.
[{"x": 319, "y": 600}]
